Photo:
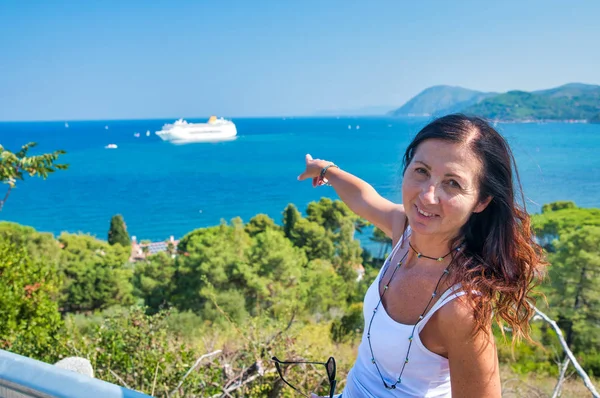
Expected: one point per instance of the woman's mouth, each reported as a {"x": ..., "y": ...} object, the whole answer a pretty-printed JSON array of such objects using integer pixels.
[{"x": 424, "y": 213}]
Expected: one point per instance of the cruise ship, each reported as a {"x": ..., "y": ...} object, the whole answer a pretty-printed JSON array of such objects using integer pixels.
[{"x": 182, "y": 132}]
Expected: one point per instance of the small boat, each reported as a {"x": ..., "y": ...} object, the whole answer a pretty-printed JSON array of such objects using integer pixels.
[
  {"x": 111, "y": 146},
  {"x": 66, "y": 125},
  {"x": 105, "y": 127},
  {"x": 136, "y": 135},
  {"x": 212, "y": 131},
  {"x": 147, "y": 133}
]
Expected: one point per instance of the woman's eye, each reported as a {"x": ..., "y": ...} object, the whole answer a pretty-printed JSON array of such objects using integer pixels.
[
  {"x": 421, "y": 170},
  {"x": 454, "y": 184}
]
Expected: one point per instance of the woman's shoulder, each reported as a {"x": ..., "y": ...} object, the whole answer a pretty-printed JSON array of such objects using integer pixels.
[
  {"x": 460, "y": 318},
  {"x": 457, "y": 310},
  {"x": 468, "y": 343}
]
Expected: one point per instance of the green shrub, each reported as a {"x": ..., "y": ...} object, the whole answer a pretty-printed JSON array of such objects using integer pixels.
[
  {"x": 349, "y": 326},
  {"x": 28, "y": 309}
]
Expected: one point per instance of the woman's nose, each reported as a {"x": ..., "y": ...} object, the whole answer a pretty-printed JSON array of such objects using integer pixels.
[{"x": 429, "y": 195}]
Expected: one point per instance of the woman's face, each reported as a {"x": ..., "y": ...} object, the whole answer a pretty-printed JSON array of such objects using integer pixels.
[{"x": 440, "y": 189}]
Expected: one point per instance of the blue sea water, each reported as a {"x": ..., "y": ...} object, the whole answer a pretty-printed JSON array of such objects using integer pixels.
[{"x": 163, "y": 189}]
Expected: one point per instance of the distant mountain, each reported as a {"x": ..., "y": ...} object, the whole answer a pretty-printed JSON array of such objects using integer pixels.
[
  {"x": 569, "y": 89},
  {"x": 439, "y": 100},
  {"x": 363, "y": 111},
  {"x": 571, "y": 101}
]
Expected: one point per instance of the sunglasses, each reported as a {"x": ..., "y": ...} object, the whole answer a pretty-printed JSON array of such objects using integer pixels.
[{"x": 295, "y": 372}]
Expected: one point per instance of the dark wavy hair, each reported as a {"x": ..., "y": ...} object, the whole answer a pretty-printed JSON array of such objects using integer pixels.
[{"x": 500, "y": 263}]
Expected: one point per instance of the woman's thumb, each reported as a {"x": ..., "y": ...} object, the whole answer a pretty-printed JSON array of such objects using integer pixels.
[{"x": 308, "y": 157}]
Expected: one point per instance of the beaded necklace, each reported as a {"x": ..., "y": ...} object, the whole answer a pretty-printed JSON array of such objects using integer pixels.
[
  {"x": 412, "y": 333},
  {"x": 419, "y": 254}
]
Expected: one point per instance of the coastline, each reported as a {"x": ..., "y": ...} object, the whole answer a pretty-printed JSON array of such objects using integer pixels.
[{"x": 511, "y": 121}]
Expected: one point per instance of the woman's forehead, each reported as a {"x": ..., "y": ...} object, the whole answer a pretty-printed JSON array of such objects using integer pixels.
[{"x": 439, "y": 154}]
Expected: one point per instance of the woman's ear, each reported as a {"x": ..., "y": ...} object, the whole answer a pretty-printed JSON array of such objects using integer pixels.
[{"x": 482, "y": 205}]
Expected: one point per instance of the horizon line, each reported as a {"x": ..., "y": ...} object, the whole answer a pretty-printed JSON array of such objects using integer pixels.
[{"x": 206, "y": 117}]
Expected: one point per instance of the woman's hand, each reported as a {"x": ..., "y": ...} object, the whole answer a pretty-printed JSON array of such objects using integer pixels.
[{"x": 313, "y": 170}]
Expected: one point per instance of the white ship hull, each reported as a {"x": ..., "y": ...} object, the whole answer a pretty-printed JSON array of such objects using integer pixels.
[{"x": 182, "y": 132}]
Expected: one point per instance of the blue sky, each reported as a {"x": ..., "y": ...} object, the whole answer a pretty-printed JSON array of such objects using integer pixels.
[{"x": 153, "y": 59}]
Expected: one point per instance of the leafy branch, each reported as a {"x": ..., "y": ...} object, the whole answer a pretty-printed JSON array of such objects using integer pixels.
[{"x": 14, "y": 166}]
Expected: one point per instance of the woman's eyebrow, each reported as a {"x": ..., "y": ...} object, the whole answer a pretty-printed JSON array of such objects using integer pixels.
[
  {"x": 424, "y": 164},
  {"x": 428, "y": 167}
]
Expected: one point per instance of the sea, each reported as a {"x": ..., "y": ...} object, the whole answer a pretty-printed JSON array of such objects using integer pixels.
[{"x": 165, "y": 190}]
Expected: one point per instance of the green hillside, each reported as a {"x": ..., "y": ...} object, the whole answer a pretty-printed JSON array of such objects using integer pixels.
[{"x": 570, "y": 101}]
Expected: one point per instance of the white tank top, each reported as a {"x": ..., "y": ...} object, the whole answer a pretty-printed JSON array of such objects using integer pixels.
[{"x": 426, "y": 375}]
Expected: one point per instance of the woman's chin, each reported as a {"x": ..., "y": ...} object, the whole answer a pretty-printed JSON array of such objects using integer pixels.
[
  {"x": 422, "y": 229},
  {"x": 422, "y": 224}
]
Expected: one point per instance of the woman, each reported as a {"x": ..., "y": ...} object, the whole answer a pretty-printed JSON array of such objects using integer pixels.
[{"x": 463, "y": 255}]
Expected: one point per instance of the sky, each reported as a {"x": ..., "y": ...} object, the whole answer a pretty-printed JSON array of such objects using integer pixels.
[{"x": 124, "y": 59}]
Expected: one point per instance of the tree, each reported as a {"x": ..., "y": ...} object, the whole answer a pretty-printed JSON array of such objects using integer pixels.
[
  {"x": 314, "y": 239},
  {"x": 574, "y": 291},
  {"x": 560, "y": 205},
  {"x": 260, "y": 223},
  {"x": 332, "y": 213},
  {"x": 322, "y": 288},
  {"x": 39, "y": 245},
  {"x": 96, "y": 274},
  {"x": 118, "y": 232},
  {"x": 349, "y": 325},
  {"x": 13, "y": 166},
  {"x": 153, "y": 281},
  {"x": 28, "y": 309},
  {"x": 171, "y": 249},
  {"x": 559, "y": 218},
  {"x": 385, "y": 242},
  {"x": 216, "y": 261},
  {"x": 243, "y": 275},
  {"x": 348, "y": 253},
  {"x": 275, "y": 270},
  {"x": 572, "y": 237},
  {"x": 291, "y": 215}
]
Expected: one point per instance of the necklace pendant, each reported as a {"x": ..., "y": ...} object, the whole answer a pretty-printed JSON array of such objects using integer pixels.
[{"x": 440, "y": 259}]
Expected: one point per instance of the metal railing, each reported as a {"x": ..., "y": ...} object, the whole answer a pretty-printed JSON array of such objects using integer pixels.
[{"x": 22, "y": 377}]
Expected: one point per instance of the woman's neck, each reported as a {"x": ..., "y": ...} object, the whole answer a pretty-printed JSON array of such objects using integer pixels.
[{"x": 431, "y": 246}]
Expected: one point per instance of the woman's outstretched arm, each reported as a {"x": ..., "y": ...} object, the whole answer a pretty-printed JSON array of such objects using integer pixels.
[{"x": 358, "y": 195}]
